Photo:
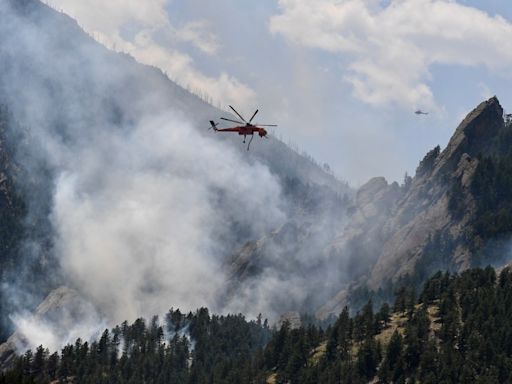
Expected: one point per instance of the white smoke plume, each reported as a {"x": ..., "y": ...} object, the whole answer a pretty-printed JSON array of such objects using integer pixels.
[
  {"x": 146, "y": 204},
  {"x": 135, "y": 219},
  {"x": 60, "y": 319}
]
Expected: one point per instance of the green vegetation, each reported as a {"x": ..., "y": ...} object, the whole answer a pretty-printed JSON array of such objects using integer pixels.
[
  {"x": 459, "y": 330},
  {"x": 492, "y": 189},
  {"x": 196, "y": 348}
]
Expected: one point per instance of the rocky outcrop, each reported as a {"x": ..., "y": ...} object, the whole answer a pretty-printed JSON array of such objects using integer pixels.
[
  {"x": 423, "y": 212},
  {"x": 400, "y": 226},
  {"x": 292, "y": 318},
  {"x": 374, "y": 202}
]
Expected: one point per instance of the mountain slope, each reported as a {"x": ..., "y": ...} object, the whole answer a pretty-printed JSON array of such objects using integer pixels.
[
  {"x": 431, "y": 222},
  {"x": 96, "y": 127}
]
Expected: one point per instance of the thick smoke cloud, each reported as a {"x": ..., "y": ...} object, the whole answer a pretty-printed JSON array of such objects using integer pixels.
[
  {"x": 137, "y": 229},
  {"x": 145, "y": 206}
]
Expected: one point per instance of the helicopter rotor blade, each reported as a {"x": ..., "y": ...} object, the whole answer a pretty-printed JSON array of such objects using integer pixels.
[
  {"x": 233, "y": 121},
  {"x": 253, "y": 116},
  {"x": 265, "y": 125},
  {"x": 239, "y": 115}
]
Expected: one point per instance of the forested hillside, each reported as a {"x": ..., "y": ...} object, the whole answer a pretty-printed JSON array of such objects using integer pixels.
[
  {"x": 458, "y": 329},
  {"x": 71, "y": 110}
]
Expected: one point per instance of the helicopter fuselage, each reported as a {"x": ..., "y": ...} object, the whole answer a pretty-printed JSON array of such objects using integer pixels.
[{"x": 245, "y": 130}]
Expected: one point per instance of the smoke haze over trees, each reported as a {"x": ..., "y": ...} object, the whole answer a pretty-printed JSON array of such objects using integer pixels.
[{"x": 458, "y": 329}]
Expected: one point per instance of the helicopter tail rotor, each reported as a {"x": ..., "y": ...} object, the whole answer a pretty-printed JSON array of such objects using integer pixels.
[{"x": 213, "y": 125}]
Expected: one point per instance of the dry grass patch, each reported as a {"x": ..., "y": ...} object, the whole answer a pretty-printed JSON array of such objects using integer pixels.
[
  {"x": 318, "y": 353},
  {"x": 396, "y": 323}
]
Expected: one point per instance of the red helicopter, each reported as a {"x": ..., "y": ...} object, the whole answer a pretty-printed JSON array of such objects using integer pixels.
[{"x": 246, "y": 130}]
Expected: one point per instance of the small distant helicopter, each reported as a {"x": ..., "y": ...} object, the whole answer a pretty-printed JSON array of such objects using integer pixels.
[
  {"x": 248, "y": 129},
  {"x": 420, "y": 112}
]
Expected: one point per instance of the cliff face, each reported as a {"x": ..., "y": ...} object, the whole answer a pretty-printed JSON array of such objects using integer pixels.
[{"x": 414, "y": 230}]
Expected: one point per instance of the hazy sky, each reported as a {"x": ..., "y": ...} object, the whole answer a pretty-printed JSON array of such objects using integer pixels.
[{"x": 342, "y": 78}]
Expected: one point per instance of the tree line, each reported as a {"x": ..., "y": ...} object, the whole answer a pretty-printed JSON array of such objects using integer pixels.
[{"x": 458, "y": 329}]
